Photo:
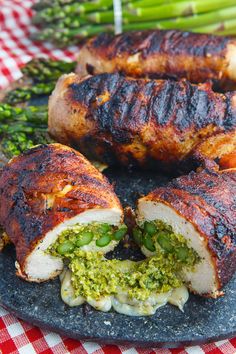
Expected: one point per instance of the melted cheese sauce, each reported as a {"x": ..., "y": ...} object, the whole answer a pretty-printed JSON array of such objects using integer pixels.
[{"x": 121, "y": 303}]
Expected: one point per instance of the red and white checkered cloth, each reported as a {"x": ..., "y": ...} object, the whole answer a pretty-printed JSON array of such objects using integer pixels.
[
  {"x": 16, "y": 48},
  {"x": 16, "y": 336}
]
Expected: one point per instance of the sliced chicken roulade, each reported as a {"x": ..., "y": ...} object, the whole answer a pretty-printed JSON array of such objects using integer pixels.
[
  {"x": 51, "y": 191},
  {"x": 194, "y": 214}
]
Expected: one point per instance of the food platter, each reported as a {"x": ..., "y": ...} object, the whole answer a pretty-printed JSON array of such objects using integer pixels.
[{"x": 203, "y": 320}]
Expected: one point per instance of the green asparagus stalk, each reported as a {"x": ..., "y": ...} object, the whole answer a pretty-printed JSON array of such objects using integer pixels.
[
  {"x": 223, "y": 26},
  {"x": 54, "y": 13},
  {"x": 43, "y": 74},
  {"x": 24, "y": 94},
  {"x": 14, "y": 145},
  {"x": 182, "y": 8},
  {"x": 68, "y": 21},
  {"x": 50, "y": 3},
  {"x": 89, "y": 30},
  {"x": 67, "y": 36},
  {"x": 227, "y": 32},
  {"x": 143, "y": 14},
  {"x": 149, "y": 3},
  {"x": 21, "y": 128},
  {"x": 73, "y": 35},
  {"x": 86, "y": 5},
  {"x": 30, "y": 114},
  {"x": 185, "y": 22},
  {"x": 45, "y": 70}
]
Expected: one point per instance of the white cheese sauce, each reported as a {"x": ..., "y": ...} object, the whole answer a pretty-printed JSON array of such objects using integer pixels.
[{"x": 121, "y": 302}]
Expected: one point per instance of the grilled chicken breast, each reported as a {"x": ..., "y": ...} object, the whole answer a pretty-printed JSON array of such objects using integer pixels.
[
  {"x": 142, "y": 122},
  {"x": 43, "y": 192},
  {"x": 162, "y": 54},
  {"x": 200, "y": 207}
]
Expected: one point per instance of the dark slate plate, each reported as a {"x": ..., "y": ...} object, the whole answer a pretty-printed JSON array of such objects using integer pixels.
[{"x": 204, "y": 320}]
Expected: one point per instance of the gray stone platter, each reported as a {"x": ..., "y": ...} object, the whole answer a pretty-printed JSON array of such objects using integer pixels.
[{"x": 203, "y": 320}]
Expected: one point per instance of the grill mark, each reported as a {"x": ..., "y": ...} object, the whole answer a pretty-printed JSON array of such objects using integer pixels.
[
  {"x": 161, "y": 41},
  {"x": 182, "y": 94},
  {"x": 113, "y": 109},
  {"x": 182, "y": 103},
  {"x": 162, "y": 103},
  {"x": 103, "y": 39},
  {"x": 106, "y": 114},
  {"x": 200, "y": 106},
  {"x": 136, "y": 110},
  {"x": 131, "y": 113},
  {"x": 186, "y": 113},
  {"x": 154, "y": 88}
]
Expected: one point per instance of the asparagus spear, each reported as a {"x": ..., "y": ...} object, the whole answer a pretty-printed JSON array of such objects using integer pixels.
[
  {"x": 14, "y": 145},
  {"x": 44, "y": 74},
  {"x": 46, "y": 70},
  {"x": 69, "y": 22},
  {"x": 141, "y": 14},
  {"x": 186, "y": 23},
  {"x": 223, "y": 26},
  {"x": 50, "y": 3},
  {"x": 60, "y": 12},
  {"x": 68, "y": 35},
  {"x": 73, "y": 35},
  {"x": 227, "y": 32},
  {"x": 21, "y": 128},
  {"x": 149, "y": 3},
  {"x": 29, "y": 114},
  {"x": 64, "y": 26},
  {"x": 24, "y": 94}
]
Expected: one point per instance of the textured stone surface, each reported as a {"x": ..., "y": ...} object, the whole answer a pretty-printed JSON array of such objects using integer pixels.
[{"x": 203, "y": 320}]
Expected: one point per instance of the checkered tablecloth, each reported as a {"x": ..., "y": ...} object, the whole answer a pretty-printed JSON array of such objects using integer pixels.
[
  {"x": 16, "y": 336},
  {"x": 16, "y": 48}
]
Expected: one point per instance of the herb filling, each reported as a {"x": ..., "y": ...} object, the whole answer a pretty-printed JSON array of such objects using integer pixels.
[
  {"x": 80, "y": 235},
  {"x": 94, "y": 276}
]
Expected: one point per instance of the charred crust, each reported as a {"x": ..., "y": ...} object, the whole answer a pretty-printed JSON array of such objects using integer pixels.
[
  {"x": 126, "y": 117},
  {"x": 160, "y": 41},
  {"x": 161, "y": 53}
]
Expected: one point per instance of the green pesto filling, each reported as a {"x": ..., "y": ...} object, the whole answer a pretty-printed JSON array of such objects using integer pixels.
[
  {"x": 94, "y": 276},
  {"x": 80, "y": 235},
  {"x": 159, "y": 238}
]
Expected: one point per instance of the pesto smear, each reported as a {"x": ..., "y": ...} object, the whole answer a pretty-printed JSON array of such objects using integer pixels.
[{"x": 93, "y": 276}]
